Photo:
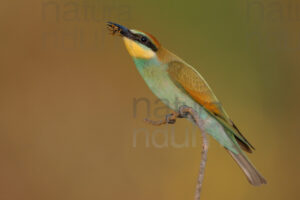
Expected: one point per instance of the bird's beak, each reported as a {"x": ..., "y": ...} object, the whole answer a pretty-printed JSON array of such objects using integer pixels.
[{"x": 116, "y": 28}]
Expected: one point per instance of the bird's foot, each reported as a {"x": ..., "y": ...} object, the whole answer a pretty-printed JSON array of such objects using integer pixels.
[
  {"x": 169, "y": 119},
  {"x": 184, "y": 111}
]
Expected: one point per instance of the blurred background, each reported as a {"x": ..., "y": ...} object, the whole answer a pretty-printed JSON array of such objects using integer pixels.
[{"x": 72, "y": 103}]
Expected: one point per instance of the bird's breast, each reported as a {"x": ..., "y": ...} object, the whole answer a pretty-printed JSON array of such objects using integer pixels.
[{"x": 160, "y": 83}]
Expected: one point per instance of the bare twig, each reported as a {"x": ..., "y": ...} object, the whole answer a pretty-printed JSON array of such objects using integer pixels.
[{"x": 187, "y": 112}]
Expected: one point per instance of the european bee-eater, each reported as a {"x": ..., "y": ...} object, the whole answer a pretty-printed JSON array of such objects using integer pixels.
[{"x": 177, "y": 84}]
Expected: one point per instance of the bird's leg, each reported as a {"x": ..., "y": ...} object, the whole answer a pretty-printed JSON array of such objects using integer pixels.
[
  {"x": 169, "y": 119},
  {"x": 184, "y": 111}
]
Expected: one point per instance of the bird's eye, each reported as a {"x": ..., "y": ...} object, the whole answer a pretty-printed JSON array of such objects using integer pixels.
[{"x": 143, "y": 39}]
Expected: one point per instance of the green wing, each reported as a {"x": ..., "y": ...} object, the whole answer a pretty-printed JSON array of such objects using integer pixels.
[{"x": 194, "y": 84}]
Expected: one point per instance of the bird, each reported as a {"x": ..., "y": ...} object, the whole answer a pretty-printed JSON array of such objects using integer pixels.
[{"x": 177, "y": 83}]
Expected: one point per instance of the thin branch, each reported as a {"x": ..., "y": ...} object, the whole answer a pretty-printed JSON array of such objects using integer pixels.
[{"x": 187, "y": 112}]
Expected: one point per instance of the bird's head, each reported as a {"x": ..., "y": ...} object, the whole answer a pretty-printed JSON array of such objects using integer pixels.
[{"x": 139, "y": 44}]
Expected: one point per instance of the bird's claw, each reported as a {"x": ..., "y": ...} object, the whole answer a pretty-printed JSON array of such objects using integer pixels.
[
  {"x": 171, "y": 118},
  {"x": 183, "y": 111}
]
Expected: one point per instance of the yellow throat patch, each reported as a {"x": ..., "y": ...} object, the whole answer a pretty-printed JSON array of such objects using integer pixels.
[{"x": 136, "y": 50}]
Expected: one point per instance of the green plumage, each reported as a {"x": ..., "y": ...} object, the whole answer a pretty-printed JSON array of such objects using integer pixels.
[
  {"x": 158, "y": 80},
  {"x": 178, "y": 84}
]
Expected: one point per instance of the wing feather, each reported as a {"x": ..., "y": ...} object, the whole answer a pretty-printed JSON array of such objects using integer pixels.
[{"x": 195, "y": 85}]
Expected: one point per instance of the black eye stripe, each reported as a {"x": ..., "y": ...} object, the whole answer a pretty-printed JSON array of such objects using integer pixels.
[
  {"x": 145, "y": 41},
  {"x": 140, "y": 38}
]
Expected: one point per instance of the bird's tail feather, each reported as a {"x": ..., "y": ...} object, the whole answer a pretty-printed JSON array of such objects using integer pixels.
[{"x": 253, "y": 176}]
